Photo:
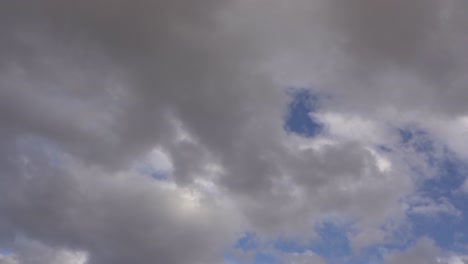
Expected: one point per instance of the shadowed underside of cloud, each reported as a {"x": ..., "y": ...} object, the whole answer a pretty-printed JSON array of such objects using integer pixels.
[{"x": 160, "y": 131}]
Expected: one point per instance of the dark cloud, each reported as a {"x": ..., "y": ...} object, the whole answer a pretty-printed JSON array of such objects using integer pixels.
[
  {"x": 117, "y": 218},
  {"x": 89, "y": 88}
]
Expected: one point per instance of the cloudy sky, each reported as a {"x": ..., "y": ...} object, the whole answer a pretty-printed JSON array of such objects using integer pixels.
[{"x": 233, "y": 132}]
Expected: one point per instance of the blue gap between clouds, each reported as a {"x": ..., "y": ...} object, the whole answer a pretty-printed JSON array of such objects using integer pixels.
[
  {"x": 298, "y": 119},
  {"x": 332, "y": 244},
  {"x": 448, "y": 231},
  {"x": 148, "y": 169},
  {"x": 374, "y": 253},
  {"x": 249, "y": 243},
  {"x": 6, "y": 252}
]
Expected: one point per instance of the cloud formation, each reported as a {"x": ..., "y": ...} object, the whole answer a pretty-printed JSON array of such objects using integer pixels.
[{"x": 91, "y": 90}]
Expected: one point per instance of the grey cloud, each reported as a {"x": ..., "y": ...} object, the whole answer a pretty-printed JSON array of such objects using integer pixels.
[
  {"x": 424, "y": 252},
  {"x": 104, "y": 82},
  {"x": 117, "y": 218},
  {"x": 369, "y": 54},
  {"x": 33, "y": 252},
  {"x": 419, "y": 39},
  {"x": 304, "y": 258},
  {"x": 388, "y": 30}
]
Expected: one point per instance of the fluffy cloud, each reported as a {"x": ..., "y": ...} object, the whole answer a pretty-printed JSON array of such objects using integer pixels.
[
  {"x": 93, "y": 90},
  {"x": 35, "y": 252},
  {"x": 113, "y": 218},
  {"x": 423, "y": 252},
  {"x": 304, "y": 258}
]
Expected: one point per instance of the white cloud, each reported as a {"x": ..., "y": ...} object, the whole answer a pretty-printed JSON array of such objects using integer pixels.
[
  {"x": 428, "y": 206},
  {"x": 307, "y": 257},
  {"x": 423, "y": 252},
  {"x": 465, "y": 186},
  {"x": 33, "y": 252},
  {"x": 8, "y": 259},
  {"x": 353, "y": 127},
  {"x": 454, "y": 260}
]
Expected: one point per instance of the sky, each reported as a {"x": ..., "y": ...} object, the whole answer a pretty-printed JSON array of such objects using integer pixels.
[{"x": 233, "y": 132}]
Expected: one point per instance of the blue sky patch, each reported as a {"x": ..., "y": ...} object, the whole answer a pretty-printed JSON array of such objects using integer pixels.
[
  {"x": 265, "y": 258},
  {"x": 298, "y": 119},
  {"x": 247, "y": 242},
  {"x": 148, "y": 169},
  {"x": 6, "y": 251},
  {"x": 446, "y": 226},
  {"x": 368, "y": 255},
  {"x": 289, "y": 246},
  {"x": 333, "y": 243}
]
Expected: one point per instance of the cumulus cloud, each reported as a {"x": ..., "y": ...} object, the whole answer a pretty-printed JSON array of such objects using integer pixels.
[
  {"x": 424, "y": 251},
  {"x": 303, "y": 258},
  {"x": 465, "y": 186},
  {"x": 90, "y": 91},
  {"x": 424, "y": 205},
  {"x": 35, "y": 252},
  {"x": 455, "y": 260},
  {"x": 117, "y": 218}
]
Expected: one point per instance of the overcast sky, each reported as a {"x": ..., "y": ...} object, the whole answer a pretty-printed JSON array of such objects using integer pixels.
[{"x": 233, "y": 132}]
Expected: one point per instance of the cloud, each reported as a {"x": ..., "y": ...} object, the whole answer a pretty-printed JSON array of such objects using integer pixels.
[
  {"x": 117, "y": 218},
  {"x": 424, "y": 251},
  {"x": 465, "y": 186},
  {"x": 455, "y": 260},
  {"x": 35, "y": 252},
  {"x": 304, "y": 258},
  {"x": 90, "y": 90},
  {"x": 427, "y": 206}
]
